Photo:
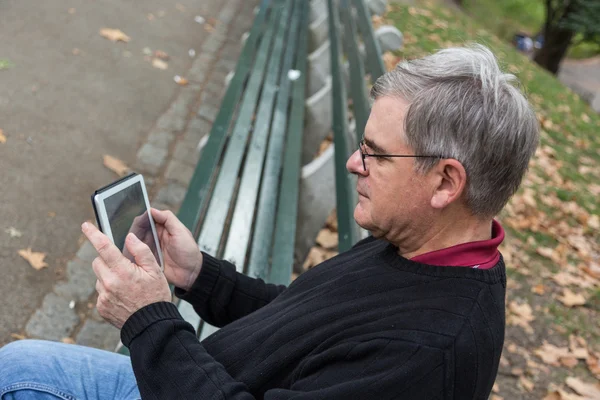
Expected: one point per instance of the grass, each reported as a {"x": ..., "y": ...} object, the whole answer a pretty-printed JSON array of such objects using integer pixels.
[{"x": 507, "y": 17}]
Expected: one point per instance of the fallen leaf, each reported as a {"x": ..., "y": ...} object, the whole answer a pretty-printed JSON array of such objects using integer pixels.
[
  {"x": 585, "y": 118},
  {"x": 160, "y": 64},
  {"x": 114, "y": 35},
  {"x": 116, "y": 165},
  {"x": 72, "y": 11},
  {"x": 67, "y": 340},
  {"x": 315, "y": 256},
  {"x": 551, "y": 354},
  {"x": 526, "y": 383},
  {"x": 332, "y": 222},
  {"x": 588, "y": 390},
  {"x": 161, "y": 55},
  {"x": 539, "y": 289},
  {"x": 545, "y": 252},
  {"x": 180, "y": 7},
  {"x": 520, "y": 315},
  {"x": 593, "y": 363},
  {"x": 209, "y": 28},
  {"x": 327, "y": 239},
  {"x": 18, "y": 336},
  {"x": 13, "y": 232},
  {"x": 390, "y": 60},
  {"x": 496, "y": 397},
  {"x": 569, "y": 362},
  {"x": 495, "y": 388},
  {"x": 180, "y": 80},
  {"x": 2, "y": 137},
  {"x": 571, "y": 299},
  {"x": 36, "y": 259}
]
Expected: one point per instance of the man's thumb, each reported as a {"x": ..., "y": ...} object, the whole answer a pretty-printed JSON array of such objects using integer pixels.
[{"x": 141, "y": 253}]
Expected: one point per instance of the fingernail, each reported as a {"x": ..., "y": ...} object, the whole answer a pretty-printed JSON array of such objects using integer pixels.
[{"x": 84, "y": 226}]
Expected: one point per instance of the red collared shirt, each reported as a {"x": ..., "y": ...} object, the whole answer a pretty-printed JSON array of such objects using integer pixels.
[{"x": 482, "y": 254}]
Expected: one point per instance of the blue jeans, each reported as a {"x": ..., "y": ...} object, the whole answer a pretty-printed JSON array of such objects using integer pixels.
[{"x": 36, "y": 369}]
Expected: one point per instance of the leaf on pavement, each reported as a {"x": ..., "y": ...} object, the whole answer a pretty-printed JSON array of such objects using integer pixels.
[
  {"x": 34, "y": 258},
  {"x": 2, "y": 137},
  {"x": 587, "y": 390},
  {"x": 571, "y": 299},
  {"x": 67, "y": 340},
  {"x": 116, "y": 165},
  {"x": 161, "y": 55},
  {"x": 114, "y": 35},
  {"x": 160, "y": 64}
]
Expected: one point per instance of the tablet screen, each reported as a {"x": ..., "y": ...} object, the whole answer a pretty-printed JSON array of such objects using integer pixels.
[{"x": 127, "y": 212}]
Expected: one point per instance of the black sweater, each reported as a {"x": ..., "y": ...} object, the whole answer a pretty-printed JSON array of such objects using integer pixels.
[{"x": 367, "y": 324}]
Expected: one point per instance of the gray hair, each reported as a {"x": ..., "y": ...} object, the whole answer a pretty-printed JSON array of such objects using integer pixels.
[{"x": 463, "y": 106}]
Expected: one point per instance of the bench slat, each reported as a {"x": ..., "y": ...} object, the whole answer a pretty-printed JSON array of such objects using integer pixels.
[
  {"x": 258, "y": 263},
  {"x": 374, "y": 59},
  {"x": 347, "y": 230},
  {"x": 243, "y": 216},
  {"x": 360, "y": 104},
  {"x": 196, "y": 197},
  {"x": 220, "y": 201},
  {"x": 287, "y": 209}
]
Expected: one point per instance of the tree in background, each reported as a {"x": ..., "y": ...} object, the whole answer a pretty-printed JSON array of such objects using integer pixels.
[{"x": 565, "y": 20}]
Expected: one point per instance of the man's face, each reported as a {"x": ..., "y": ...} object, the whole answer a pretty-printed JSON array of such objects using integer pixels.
[{"x": 393, "y": 199}]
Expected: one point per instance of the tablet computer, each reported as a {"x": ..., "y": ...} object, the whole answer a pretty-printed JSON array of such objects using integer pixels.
[{"x": 122, "y": 208}]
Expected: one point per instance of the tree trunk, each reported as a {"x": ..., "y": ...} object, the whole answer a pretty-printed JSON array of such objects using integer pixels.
[
  {"x": 556, "y": 44},
  {"x": 556, "y": 39}
]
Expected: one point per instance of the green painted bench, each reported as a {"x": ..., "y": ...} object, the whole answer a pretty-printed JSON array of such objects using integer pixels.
[
  {"x": 350, "y": 25},
  {"x": 241, "y": 203}
]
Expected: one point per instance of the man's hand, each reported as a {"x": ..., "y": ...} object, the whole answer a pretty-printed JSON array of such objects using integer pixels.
[
  {"x": 181, "y": 255},
  {"x": 123, "y": 286}
]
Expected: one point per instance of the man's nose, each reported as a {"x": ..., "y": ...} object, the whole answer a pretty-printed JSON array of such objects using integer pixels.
[{"x": 354, "y": 165}]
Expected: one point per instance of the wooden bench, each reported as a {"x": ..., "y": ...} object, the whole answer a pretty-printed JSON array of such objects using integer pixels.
[
  {"x": 241, "y": 203},
  {"x": 346, "y": 21}
]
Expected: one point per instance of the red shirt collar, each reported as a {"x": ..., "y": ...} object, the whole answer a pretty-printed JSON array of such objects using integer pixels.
[{"x": 482, "y": 254}]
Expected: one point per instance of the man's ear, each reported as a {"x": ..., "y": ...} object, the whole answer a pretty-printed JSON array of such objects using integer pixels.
[{"x": 450, "y": 179}]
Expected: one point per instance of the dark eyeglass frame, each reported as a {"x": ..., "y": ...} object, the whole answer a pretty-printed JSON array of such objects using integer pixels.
[{"x": 364, "y": 155}]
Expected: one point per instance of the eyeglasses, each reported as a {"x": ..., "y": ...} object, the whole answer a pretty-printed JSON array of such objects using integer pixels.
[{"x": 364, "y": 155}]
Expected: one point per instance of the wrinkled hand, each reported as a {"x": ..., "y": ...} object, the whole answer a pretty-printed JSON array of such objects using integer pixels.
[
  {"x": 181, "y": 256},
  {"x": 125, "y": 287}
]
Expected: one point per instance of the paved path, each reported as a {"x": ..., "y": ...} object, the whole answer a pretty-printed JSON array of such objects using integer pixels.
[
  {"x": 71, "y": 96},
  {"x": 583, "y": 77}
]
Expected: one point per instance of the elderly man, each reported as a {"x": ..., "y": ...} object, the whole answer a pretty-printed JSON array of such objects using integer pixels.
[{"x": 416, "y": 311}]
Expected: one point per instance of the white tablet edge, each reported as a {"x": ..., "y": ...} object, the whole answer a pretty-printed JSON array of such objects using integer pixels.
[{"x": 103, "y": 216}]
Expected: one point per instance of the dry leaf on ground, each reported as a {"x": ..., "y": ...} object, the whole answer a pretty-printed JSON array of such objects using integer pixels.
[
  {"x": 68, "y": 340},
  {"x": 116, "y": 165},
  {"x": 327, "y": 239},
  {"x": 18, "y": 336},
  {"x": 551, "y": 354},
  {"x": 593, "y": 363},
  {"x": 315, "y": 256},
  {"x": 520, "y": 315},
  {"x": 539, "y": 289},
  {"x": 160, "y": 64},
  {"x": 571, "y": 299},
  {"x": 527, "y": 384},
  {"x": 2, "y": 137},
  {"x": 588, "y": 390},
  {"x": 114, "y": 35},
  {"x": 36, "y": 259}
]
